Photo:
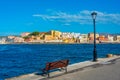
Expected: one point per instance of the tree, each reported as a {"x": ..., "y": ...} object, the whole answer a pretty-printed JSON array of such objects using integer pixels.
[
  {"x": 34, "y": 33},
  {"x": 26, "y": 37}
]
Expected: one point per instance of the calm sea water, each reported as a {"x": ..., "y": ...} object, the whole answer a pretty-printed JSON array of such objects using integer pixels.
[{"x": 19, "y": 59}]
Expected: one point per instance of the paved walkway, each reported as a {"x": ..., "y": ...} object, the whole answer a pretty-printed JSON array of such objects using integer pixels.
[
  {"x": 103, "y": 69},
  {"x": 107, "y": 71}
]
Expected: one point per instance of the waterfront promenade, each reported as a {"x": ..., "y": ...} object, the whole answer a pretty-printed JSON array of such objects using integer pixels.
[
  {"x": 103, "y": 69},
  {"x": 108, "y": 71}
]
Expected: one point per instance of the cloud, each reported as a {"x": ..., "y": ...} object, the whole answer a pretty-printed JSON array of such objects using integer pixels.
[{"x": 83, "y": 17}]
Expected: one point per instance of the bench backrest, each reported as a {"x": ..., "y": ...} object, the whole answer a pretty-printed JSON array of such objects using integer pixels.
[{"x": 56, "y": 64}]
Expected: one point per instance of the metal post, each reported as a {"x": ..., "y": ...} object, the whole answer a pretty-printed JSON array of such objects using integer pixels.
[{"x": 94, "y": 51}]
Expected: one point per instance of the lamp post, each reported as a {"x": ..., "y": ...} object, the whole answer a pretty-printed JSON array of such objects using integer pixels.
[{"x": 94, "y": 14}]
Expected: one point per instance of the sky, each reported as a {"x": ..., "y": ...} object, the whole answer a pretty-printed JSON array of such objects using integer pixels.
[{"x": 17, "y": 16}]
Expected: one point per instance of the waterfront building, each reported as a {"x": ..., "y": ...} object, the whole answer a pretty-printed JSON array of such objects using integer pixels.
[
  {"x": 75, "y": 35},
  {"x": 36, "y": 41},
  {"x": 42, "y": 35},
  {"x": 36, "y": 37},
  {"x": 25, "y": 34},
  {"x": 102, "y": 38},
  {"x": 18, "y": 40},
  {"x": 53, "y": 41},
  {"x": 28, "y": 39},
  {"x": 69, "y": 40},
  {"x": 91, "y": 36},
  {"x": 11, "y": 37},
  {"x": 31, "y": 38},
  {"x": 110, "y": 38},
  {"x": 52, "y": 35},
  {"x": 77, "y": 40},
  {"x": 2, "y": 40},
  {"x": 84, "y": 38},
  {"x": 48, "y": 37},
  {"x": 66, "y": 35},
  {"x": 8, "y": 40},
  {"x": 117, "y": 38},
  {"x": 70, "y": 35}
]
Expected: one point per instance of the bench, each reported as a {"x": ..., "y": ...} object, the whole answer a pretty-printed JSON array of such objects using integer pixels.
[{"x": 62, "y": 64}]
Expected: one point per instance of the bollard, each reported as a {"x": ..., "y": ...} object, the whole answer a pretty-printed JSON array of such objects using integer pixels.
[{"x": 109, "y": 55}]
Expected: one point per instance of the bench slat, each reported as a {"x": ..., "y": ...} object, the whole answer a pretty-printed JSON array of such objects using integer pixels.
[{"x": 55, "y": 65}]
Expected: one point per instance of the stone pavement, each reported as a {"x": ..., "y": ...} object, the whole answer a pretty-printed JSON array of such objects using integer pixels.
[
  {"x": 103, "y": 69},
  {"x": 107, "y": 71}
]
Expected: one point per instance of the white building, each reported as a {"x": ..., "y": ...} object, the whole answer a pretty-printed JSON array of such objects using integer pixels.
[
  {"x": 70, "y": 35},
  {"x": 118, "y": 38},
  {"x": 2, "y": 40},
  {"x": 84, "y": 38},
  {"x": 25, "y": 34},
  {"x": 54, "y": 41},
  {"x": 18, "y": 40},
  {"x": 110, "y": 38},
  {"x": 11, "y": 37}
]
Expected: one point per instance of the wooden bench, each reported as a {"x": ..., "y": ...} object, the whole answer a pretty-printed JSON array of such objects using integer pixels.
[{"x": 62, "y": 64}]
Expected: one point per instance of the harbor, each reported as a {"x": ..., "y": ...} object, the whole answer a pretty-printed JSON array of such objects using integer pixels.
[
  {"x": 14, "y": 62},
  {"x": 59, "y": 40}
]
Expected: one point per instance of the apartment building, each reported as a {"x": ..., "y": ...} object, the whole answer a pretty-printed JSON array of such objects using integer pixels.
[
  {"x": 110, "y": 38},
  {"x": 70, "y": 35},
  {"x": 117, "y": 38},
  {"x": 18, "y": 40},
  {"x": 84, "y": 38},
  {"x": 52, "y": 35}
]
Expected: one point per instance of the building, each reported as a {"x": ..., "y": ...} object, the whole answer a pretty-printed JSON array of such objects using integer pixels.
[
  {"x": 101, "y": 38},
  {"x": 70, "y": 35},
  {"x": 91, "y": 36},
  {"x": 55, "y": 33},
  {"x": 52, "y": 35},
  {"x": 68, "y": 40},
  {"x": 2, "y": 40},
  {"x": 42, "y": 35},
  {"x": 11, "y": 37},
  {"x": 18, "y": 40},
  {"x": 110, "y": 38},
  {"x": 84, "y": 38},
  {"x": 25, "y": 34},
  {"x": 117, "y": 38},
  {"x": 54, "y": 41},
  {"x": 48, "y": 37},
  {"x": 66, "y": 35}
]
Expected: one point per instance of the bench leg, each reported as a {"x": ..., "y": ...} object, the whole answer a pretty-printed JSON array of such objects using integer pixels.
[
  {"x": 48, "y": 75},
  {"x": 65, "y": 69}
]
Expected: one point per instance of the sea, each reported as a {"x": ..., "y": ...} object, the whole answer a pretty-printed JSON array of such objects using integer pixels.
[{"x": 21, "y": 59}]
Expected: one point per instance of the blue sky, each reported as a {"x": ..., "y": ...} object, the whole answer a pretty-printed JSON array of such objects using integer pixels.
[{"x": 17, "y": 16}]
